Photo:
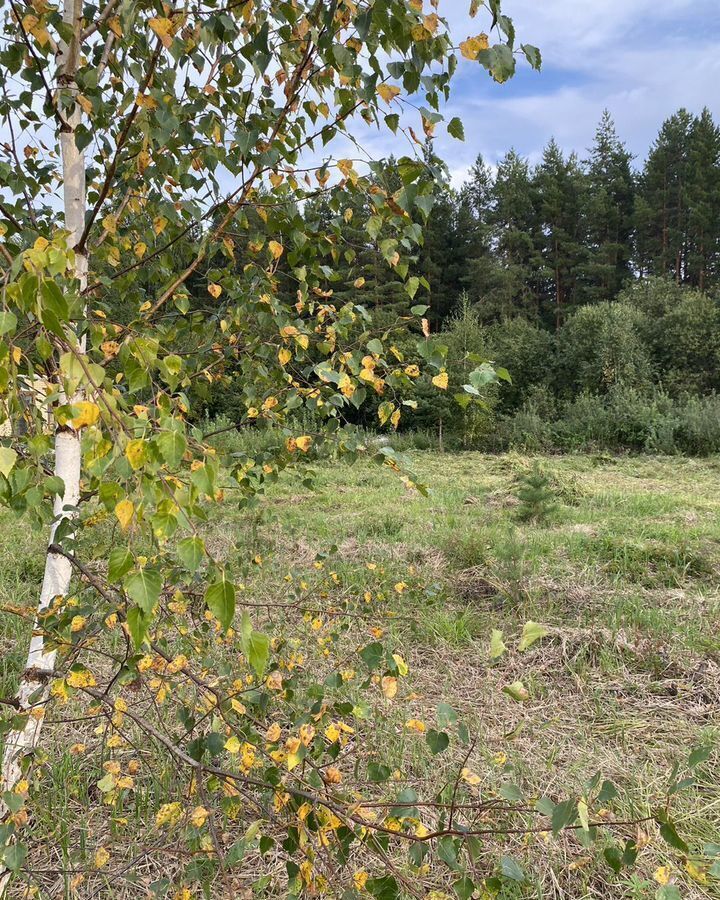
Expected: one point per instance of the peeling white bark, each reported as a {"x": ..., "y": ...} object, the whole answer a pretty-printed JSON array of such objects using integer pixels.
[{"x": 34, "y": 688}]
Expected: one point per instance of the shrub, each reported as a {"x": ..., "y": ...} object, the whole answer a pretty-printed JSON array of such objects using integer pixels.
[{"x": 601, "y": 346}]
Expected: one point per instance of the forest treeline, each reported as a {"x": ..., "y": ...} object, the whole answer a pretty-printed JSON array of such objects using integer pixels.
[{"x": 593, "y": 281}]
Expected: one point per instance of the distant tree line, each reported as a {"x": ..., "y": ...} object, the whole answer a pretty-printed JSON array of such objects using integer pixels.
[{"x": 593, "y": 282}]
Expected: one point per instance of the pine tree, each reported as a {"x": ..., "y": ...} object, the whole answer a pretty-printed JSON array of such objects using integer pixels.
[
  {"x": 516, "y": 228},
  {"x": 559, "y": 184},
  {"x": 662, "y": 213},
  {"x": 609, "y": 215},
  {"x": 704, "y": 203}
]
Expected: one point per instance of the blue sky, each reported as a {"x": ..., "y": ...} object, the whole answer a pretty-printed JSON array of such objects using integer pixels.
[{"x": 642, "y": 59}]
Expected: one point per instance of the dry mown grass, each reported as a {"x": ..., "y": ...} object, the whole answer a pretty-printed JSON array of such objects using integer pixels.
[{"x": 624, "y": 575}]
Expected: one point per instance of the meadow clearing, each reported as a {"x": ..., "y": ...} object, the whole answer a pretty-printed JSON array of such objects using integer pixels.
[{"x": 621, "y": 570}]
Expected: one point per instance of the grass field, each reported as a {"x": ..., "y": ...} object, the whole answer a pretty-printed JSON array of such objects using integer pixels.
[{"x": 623, "y": 572}]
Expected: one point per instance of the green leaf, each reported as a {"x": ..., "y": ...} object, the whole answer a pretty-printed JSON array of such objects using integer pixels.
[
  {"x": 144, "y": 588},
  {"x": 446, "y": 715},
  {"x": 8, "y": 322},
  {"x": 437, "y": 741},
  {"x": 512, "y": 869},
  {"x": 668, "y": 892},
  {"x": 172, "y": 446},
  {"x": 372, "y": 655},
  {"x": 137, "y": 623},
  {"x": 464, "y": 888},
  {"x": 255, "y": 646},
  {"x": 378, "y": 773},
  {"x": 14, "y": 856},
  {"x": 8, "y": 458},
  {"x": 383, "y": 888},
  {"x": 669, "y": 834},
  {"x": 456, "y": 129},
  {"x": 220, "y": 600},
  {"x": 191, "y": 551},
  {"x": 531, "y": 632},
  {"x": 120, "y": 562},
  {"x": 699, "y": 755},
  {"x": 564, "y": 814},
  {"x": 532, "y": 55}
]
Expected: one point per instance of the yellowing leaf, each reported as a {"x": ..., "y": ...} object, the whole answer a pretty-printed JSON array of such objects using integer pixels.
[
  {"x": 497, "y": 646},
  {"x": 388, "y": 92},
  {"x": 86, "y": 105},
  {"x": 359, "y": 282},
  {"x": 88, "y": 414},
  {"x": 276, "y": 249},
  {"x": 124, "y": 512},
  {"x": 163, "y": 29},
  {"x": 531, "y": 632},
  {"x": 401, "y": 664},
  {"x": 232, "y": 744},
  {"x": 470, "y": 777},
  {"x": 140, "y": 249},
  {"x": 214, "y": 290},
  {"x": 389, "y": 686},
  {"x": 102, "y": 857},
  {"x": 272, "y": 735},
  {"x": 304, "y": 442},
  {"x": 199, "y": 816},
  {"x": 415, "y": 725},
  {"x": 472, "y": 47},
  {"x": 441, "y": 381},
  {"x": 136, "y": 453},
  {"x": 696, "y": 872},
  {"x": 662, "y": 875},
  {"x": 284, "y": 356}
]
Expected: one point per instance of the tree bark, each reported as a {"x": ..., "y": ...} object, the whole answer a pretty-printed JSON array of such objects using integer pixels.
[{"x": 35, "y": 682}]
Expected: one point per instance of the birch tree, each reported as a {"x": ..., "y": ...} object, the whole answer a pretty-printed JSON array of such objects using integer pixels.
[{"x": 155, "y": 160}]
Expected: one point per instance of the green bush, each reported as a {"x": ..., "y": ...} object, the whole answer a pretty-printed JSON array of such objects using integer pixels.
[{"x": 601, "y": 346}]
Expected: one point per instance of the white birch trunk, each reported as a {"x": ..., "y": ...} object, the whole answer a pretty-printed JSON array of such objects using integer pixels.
[{"x": 36, "y": 678}]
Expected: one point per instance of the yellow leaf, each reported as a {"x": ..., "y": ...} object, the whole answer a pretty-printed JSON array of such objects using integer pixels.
[
  {"x": 276, "y": 249},
  {"x": 85, "y": 104},
  {"x": 102, "y": 857},
  {"x": 136, "y": 453},
  {"x": 401, "y": 664},
  {"x": 400, "y": 587},
  {"x": 124, "y": 512},
  {"x": 415, "y": 725},
  {"x": 441, "y": 381},
  {"x": 359, "y": 282},
  {"x": 159, "y": 223},
  {"x": 388, "y": 92},
  {"x": 471, "y": 48},
  {"x": 345, "y": 166},
  {"x": 389, "y": 686},
  {"x": 284, "y": 356},
  {"x": 88, "y": 414},
  {"x": 214, "y": 290},
  {"x": 232, "y": 744},
  {"x": 163, "y": 29},
  {"x": 272, "y": 735},
  {"x": 304, "y": 442},
  {"x": 696, "y": 872},
  {"x": 199, "y": 816},
  {"x": 470, "y": 777},
  {"x": 332, "y": 775},
  {"x": 662, "y": 875}
]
